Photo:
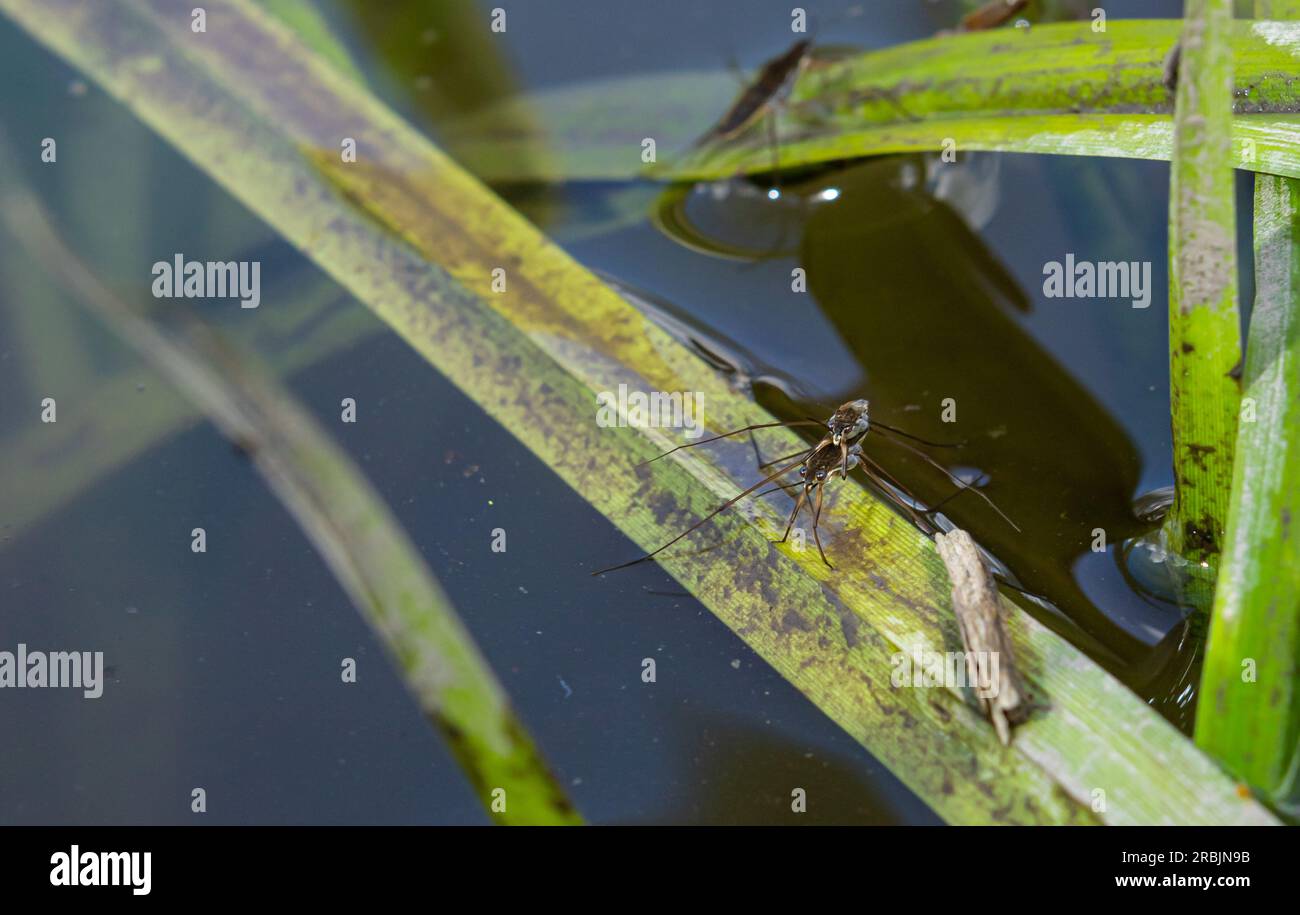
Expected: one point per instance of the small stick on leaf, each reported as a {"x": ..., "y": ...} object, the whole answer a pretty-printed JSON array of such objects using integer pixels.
[{"x": 989, "y": 660}]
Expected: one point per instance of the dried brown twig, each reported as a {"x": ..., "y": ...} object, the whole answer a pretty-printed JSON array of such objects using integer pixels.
[{"x": 989, "y": 660}]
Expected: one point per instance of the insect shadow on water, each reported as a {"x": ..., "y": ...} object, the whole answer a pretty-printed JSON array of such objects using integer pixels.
[{"x": 839, "y": 451}]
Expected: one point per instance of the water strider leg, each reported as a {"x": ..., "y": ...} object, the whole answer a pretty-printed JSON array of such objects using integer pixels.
[
  {"x": 934, "y": 509},
  {"x": 817, "y": 517},
  {"x": 786, "y": 457},
  {"x": 789, "y": 525},
  {"x": 737, "y": 72},
  {"x": 776, "y": 152},
  {"x": 879, "y": 427},
  {"x": 758, "y": 455},
  {"x": 779, "y": 487},
  {"x": 879, "y": 474},
  {"x": 954, "y": 479},
  {"x": 714, "y": 438},
  {"x": 710, "y": 516}
]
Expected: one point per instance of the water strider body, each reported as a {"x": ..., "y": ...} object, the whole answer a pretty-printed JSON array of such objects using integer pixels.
[
  {"x": 772, "y": 85},
  {"x": 850, "y": 421},
  {"x": 839, "y": 450},
  {"x": 822, "y": 463},
  {"x": 776, "y": 78}
]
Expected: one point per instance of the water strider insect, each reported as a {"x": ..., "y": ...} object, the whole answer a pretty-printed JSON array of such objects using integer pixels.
[
  {"x": 769, "y": 89},
  {"x": 771, "y": 86},
  {"x": 819, "y": 466},
  {"x": 1173, "y": 60},
  {"x": 839, "y": 451},
  {"x": 777, "y": 77},
  {"x": 991, "y": 15}
]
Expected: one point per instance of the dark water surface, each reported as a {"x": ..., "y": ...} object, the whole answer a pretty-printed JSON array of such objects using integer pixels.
[{"x": 926, "y": 284}]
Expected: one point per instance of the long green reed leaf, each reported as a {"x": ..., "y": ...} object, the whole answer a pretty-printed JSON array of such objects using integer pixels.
[
  {"x": 1249, "y": 712},
  {"x": 1061, "y": 89},
  {"x": 1204, "y": 324},
  {"x": 345, "y": 519}
]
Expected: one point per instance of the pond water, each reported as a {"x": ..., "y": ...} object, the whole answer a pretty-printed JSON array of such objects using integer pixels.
[{"x": 224, "y": 668}]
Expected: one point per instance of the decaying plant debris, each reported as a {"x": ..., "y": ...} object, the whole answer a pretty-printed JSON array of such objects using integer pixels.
[{"x": 983, "y": 633}]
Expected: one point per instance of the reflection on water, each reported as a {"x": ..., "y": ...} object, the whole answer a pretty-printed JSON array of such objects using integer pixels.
[
  {"x": 748, "y": 776},
  {"x": 931, "y": 319}
]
